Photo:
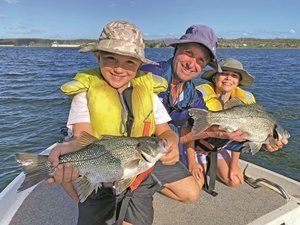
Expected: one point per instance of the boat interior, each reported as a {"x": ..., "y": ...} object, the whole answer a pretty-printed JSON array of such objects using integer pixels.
[{"x": 267, "y": 198}]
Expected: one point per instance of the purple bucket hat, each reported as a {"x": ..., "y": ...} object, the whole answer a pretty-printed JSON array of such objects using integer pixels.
[{"x": 200, "y": 34}]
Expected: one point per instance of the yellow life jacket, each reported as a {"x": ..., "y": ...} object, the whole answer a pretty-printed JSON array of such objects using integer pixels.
[
  {"x": 213, "y": 103},
  {"x": 105, "y": 106}
]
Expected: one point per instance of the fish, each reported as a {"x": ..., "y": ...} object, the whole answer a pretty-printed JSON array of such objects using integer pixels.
[
  {"x": 115, "y": 159},
  {"x": 253, "y": 120}
]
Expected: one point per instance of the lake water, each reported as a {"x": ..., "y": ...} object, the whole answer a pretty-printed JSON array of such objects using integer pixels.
[{"x": 32, "y": 108}]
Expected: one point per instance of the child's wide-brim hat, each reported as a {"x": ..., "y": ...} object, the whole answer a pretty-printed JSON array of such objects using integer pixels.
[
  {"x": 122, "y": 38},
  {"x": 200, "y": 34},
  {"x": 233, "y": 65}
]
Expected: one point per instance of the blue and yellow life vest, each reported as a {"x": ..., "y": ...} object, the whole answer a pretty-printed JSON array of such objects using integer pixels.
[
  {"x": 192, "y": 98},
  {"x": 214, "y": 104}
]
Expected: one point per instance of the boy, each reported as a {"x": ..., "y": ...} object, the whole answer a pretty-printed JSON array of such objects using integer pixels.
[{"x": 120, "y": 101}]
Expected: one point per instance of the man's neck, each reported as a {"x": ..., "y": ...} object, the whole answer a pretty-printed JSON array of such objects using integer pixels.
[{"x": 176, "y": 81}]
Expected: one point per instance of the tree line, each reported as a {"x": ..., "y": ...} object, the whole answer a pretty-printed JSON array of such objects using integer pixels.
[{"x": 222, "y": 42}]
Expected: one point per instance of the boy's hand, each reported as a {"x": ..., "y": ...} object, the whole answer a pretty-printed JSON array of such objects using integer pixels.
[
  {"x": 63, "y": 173},
  {"x": 172, "y": 156}
]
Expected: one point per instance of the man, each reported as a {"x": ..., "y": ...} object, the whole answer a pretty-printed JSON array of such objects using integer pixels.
[{"x": 193, "y": 52}]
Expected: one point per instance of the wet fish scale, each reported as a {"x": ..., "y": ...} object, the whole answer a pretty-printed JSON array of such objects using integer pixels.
[
  {"x": 260, "y": 126},
  {"x": 109, "y": 159},
  {"x": 250, "y": 121}
]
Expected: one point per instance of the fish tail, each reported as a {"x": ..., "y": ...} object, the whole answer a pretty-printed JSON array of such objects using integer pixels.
[
  {"x": 36, "y": 168},
  {"x": 200, "y": 120}
]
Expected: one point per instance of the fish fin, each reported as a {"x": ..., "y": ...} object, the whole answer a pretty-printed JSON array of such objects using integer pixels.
[
  {"x": 233, "y": 102},
  {"x": 36, "y": 168},
  {"x": 122, "y": 185},
  {"x": 107, "y": 137},
  {"x": 132, "y": 164},
  {"x": 86, "y": 139},
  {"x": 84, "y": 187},
  {"x": 252, "y": 147},
  {"x": 200, "y": 120},
  {"x": 258, "y": 106},
  {"x": 131, "y": 167}
]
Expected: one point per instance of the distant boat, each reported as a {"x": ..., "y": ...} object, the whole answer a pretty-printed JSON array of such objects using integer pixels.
[
  {"x": 268, "y": 199},
  {"x": 55, "y": 44}
]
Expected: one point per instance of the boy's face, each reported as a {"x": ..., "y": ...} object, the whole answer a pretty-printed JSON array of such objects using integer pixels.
[
  {"x": 189, "y": 60},
  {"x": 118, "y": 70}
]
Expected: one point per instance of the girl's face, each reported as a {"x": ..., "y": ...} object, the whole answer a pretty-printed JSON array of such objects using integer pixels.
[
  {"x": 226, "y": 81},
  {"x": 118, "y": 70},
  {"x": 189, "y": 60}
]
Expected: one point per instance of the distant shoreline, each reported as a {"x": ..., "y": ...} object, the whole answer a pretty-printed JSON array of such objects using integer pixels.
[{"x": 222, "y": 43}]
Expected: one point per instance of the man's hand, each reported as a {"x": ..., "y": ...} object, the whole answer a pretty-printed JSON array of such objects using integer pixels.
[
  {"x": 214, "y": 132},
  {"x": 196, "y": 170}
]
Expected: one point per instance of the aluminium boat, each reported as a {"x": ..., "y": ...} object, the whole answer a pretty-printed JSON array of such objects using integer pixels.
[{"x": 266, "y": 198}]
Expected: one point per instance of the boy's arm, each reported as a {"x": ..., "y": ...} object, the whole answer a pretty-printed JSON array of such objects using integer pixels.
[{"x": 163, "y": 131}]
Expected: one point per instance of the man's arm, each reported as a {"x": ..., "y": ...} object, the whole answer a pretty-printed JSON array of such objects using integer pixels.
[{"x": 213, "y": 132}]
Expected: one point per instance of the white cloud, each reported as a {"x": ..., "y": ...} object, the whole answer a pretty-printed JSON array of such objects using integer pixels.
[
  {"x": 292, "y": 31},
  {"x": 3, "y": 16},
  {"x": 29, "y": 31},
  {"x": 11, "y": 1},
  {"x": 24, "y": 29}
]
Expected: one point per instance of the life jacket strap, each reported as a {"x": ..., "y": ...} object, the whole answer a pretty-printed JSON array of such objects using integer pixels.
[
  {"x": 212, "y": 159},
  {"x": 135, "y": 184},
  {"x": 203, "y": 145}
]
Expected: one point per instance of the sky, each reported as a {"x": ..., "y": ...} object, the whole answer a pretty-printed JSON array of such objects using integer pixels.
[{"x": 158, "y": 19}]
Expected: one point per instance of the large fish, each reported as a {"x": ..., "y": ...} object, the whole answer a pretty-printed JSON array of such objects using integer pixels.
[
  {"x": 108, "y": 159},
  {"x": 259, "y": 125}
]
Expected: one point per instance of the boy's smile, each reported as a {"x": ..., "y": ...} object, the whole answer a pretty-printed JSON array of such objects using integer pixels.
[{"x": 118, "y": 70}]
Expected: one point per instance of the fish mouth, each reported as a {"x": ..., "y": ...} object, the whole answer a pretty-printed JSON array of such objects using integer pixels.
[
  {"x": 280, "y": 133},
  {"x": 144, "y": 156}
]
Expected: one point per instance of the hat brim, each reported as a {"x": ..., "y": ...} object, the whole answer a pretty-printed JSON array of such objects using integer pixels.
[
  {"x": 173, "y": 42},
  {"x": 95, "y": 48},
  {"x": 247, "y": 79}
]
